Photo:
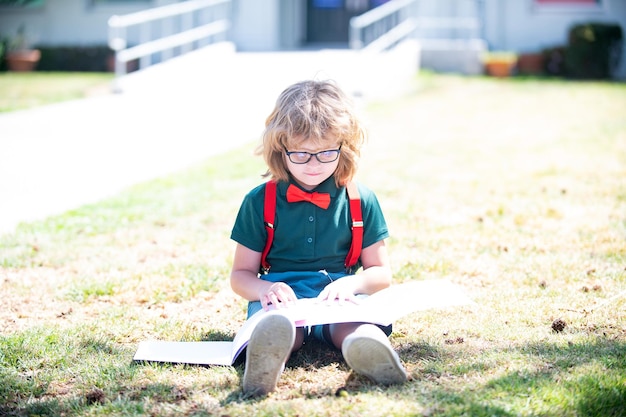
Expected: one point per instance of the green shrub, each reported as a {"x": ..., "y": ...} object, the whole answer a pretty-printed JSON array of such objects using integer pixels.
[
  {"x": 593, "y": 51},
  {"x": 3, "y": 49}
]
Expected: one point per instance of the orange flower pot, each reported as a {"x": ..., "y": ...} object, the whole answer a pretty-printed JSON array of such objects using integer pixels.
[
  {"x": 23, "y": 61},
  {"x": 499, "y": 69}
]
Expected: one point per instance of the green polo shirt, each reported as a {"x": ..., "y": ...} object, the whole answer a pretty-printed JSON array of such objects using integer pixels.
[{"x": 307, "y": 237}]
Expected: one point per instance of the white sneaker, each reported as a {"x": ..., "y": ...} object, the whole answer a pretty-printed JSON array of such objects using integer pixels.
[
  {"x": 268, "y": 349},
  {"x": 372, "y": 355}
]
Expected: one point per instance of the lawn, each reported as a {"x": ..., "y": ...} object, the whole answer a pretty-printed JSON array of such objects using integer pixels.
[
  {"x": 512, "y": 189},
  {"x": 27, "y": 90}
]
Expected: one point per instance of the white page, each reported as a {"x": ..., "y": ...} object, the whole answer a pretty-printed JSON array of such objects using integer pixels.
[
  {"x": 402, "y": 299},
  {"x": 197, "y": 353},
  {"x": 383, "y": 307}
]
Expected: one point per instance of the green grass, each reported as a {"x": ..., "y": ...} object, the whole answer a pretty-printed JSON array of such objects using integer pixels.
[
  {"x": 513, "y": 189},
  {"x": 27, "y": 90}
]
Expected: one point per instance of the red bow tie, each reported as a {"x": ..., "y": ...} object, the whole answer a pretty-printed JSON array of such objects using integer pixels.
[{"x": 294, "y": 194}]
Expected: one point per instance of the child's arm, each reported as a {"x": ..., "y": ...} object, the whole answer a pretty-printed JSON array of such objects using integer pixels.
[
  {"x": 376, "y": 275},
  {"x": 245, "y": 282}
]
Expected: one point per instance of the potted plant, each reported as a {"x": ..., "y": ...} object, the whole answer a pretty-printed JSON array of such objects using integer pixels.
[
  {"x": 531, "y": 63},
  {"x": 499, "y": 64},
  {"x": 19, "y": 55}
]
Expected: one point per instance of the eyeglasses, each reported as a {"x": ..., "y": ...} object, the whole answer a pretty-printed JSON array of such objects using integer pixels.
[{"x": 324, "y": 157}]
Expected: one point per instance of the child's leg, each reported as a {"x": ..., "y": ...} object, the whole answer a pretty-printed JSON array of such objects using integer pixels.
[
  {"x": 269, "y": 347},
  {"x": 299, "y": 340},
  {"x": 367, "y": 351}
]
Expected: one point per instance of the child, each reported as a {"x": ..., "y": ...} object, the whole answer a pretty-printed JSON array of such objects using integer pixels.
[{"x": 311, "y": 144}]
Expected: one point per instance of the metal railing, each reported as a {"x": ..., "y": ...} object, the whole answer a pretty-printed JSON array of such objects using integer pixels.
[
  {"x": 167, "y": 31},
  {"x": 383, "y": 27}
]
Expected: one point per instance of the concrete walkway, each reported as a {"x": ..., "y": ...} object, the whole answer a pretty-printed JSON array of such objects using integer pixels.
[{"x": 168, "y": 117}]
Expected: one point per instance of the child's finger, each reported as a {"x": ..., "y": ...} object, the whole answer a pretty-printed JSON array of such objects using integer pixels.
[{"x": 322, "y": 296}]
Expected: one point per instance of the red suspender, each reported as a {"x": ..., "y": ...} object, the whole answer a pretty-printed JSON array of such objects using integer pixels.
[
  {"x": 357, "y": 225},
  {"x": 269, "y": 212}
]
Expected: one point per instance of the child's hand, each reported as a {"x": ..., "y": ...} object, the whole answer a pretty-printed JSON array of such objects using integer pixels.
[
  {"x": 339, "y": 291},
  {"x": 279, "y": 294}
]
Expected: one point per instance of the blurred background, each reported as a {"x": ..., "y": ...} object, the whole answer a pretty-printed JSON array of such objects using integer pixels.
[{"x": 571, "y": 38}]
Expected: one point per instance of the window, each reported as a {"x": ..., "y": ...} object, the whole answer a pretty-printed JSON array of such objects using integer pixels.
[
  {"x": 568, "y": 2},
  {"x": 327, "y": 4},
  {"x": 564, "y": 6},
  {"x": 21, "y": 3}
]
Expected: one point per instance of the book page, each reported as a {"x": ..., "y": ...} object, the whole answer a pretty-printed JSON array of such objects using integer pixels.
[
  {"x": 402, "y": 299},
  {"x": 196, "y": 353}
]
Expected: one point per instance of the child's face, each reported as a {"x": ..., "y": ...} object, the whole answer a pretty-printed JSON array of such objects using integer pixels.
[{"x": 312, "y": 173}]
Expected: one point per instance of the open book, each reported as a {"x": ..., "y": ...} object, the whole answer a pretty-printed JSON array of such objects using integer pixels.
[{"x": 383, "y": 307}]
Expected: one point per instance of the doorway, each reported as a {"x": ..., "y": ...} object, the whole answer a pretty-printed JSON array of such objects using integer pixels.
[{"x": 328, "y": 21}]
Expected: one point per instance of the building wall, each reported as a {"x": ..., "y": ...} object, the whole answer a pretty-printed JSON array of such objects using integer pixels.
[
  {"x": 256, "y": 25},
  {"x": 68, "y": 22},
  {"x": 463, "y": 9}
]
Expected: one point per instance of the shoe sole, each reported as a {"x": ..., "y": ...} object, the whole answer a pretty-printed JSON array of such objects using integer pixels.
[
  {"x": 268, "y": 349},
  {"x": 373, "y": 358}
]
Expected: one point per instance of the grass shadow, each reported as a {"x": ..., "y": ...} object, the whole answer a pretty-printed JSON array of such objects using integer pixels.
[
  {"x": 576, "y": 379},
  {"x": 217, "y": 336}
]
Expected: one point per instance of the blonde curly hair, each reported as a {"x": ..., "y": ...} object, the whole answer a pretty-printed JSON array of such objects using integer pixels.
[{"x": 318, "y": 112}]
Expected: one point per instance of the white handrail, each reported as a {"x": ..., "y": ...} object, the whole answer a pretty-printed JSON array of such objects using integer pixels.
[
  {"x": 392, "y": 37},
  {"x": 386, "y": 25},
  {"x": 172, "y": 41},
  {"x": 380, "y": 12},
  {"x": 192, "y": 29}
]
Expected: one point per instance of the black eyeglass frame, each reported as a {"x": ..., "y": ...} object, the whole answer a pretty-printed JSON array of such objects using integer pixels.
[{"x": 311, "y": 155}]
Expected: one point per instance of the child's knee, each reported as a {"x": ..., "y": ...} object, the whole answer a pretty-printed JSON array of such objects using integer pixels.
[{"x": 340, "y": 331}]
